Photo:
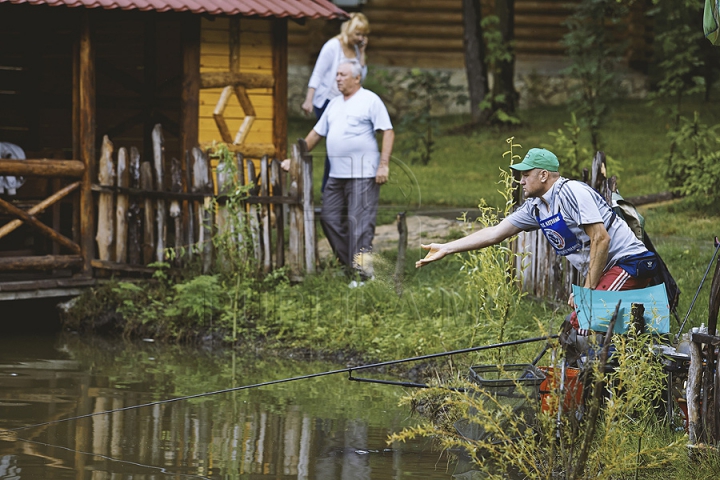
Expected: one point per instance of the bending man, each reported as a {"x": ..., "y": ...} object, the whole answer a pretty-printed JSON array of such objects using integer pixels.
[{"x": 576, "y": 220}]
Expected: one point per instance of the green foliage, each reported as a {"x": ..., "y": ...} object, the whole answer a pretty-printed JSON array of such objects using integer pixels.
[
  {"x": 678, "y": 71},
  {"x": 411, "y": 95},
  {"x": 693, "y": 165},
  {"x": 490, "y": 273},
  {"x": 595, "y": 55},
  {"x": 517, "y": 437},
  {"x": 572, "y": 156}
]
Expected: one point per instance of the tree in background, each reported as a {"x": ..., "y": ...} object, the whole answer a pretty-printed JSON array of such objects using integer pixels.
[
  {"x": 474, "y": 46},
  {"x": 595, "y": 55},
  {"x": 488, "y": 49}
]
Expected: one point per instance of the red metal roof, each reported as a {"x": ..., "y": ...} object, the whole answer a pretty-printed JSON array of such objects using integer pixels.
[{"x": 261, "y": 8}]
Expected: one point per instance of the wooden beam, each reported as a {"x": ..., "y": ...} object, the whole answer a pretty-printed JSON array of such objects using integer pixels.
[
  {"x": 247, "y": 80},
  {"x": 190, "y": 109},
  {"x": 85, "y": 87},
  {"x": 249, "y": 150},
  {"x": 39, "y": 226},
  {"x": 280, "y": 92},
  {"x": 40, "y": 207},
  {"x": 46, "y": 262},
  {"x": 42, "y": 168}
]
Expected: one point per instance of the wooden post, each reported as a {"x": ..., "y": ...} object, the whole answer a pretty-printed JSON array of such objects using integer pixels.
[
  {"x": 280, "y": 90},
  {"x": 149, "y": 217},
  {"x": 123, "y": 180},
  {"x": 190, "y": 234},
  {"x": 224, "y": 182},
  {"x": 295, "y": 241},
  {"x": 175, "y": 210},
  {"x": 308, "y": 206},
  {"x": 402, "y": 248},
  {"x": 276, "y": 175},
  {"x": 161, "y": 214},
  {"x": 84, "y": 113},
  {"x": 692, "y": 394},
  {"x": 201, "y": 184},
  {"x": 134, "y": 212},
  {"x": 190, "y": 105},
  {"x": 265, "y": 215},
  {"x": 253, "y": 221},
  {"x": 106, "y": 209}
]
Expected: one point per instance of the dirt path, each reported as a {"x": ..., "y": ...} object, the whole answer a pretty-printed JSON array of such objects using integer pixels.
[{"x": 421, "y": 229}]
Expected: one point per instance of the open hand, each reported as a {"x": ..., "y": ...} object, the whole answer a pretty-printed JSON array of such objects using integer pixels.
[{"x": 436, "y": 251}]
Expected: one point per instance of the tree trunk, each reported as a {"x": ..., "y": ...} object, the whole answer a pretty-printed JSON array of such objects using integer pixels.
[
  {"x": 474, "y": 57},
  {"x": 504, "y": 82}
]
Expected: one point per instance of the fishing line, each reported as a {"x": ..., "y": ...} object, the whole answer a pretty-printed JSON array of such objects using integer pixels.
[
  {"x": 162, "y": 470},
  {"x": 286, "y": 380}
]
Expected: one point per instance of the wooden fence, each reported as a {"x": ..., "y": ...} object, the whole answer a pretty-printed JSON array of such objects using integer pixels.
[{"x": 144, "y": 209}]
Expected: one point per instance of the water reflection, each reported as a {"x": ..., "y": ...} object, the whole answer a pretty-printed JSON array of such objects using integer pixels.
[{"x": 320, "y": 428}]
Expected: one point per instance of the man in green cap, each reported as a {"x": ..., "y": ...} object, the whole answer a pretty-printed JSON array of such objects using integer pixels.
[{"x": 576, "y": 220}]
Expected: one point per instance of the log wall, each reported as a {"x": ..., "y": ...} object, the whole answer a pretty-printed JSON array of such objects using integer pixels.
[{"x": 429, "y": 33}]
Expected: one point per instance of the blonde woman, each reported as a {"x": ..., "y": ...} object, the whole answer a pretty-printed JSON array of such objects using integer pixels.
[{"x": 349, "y": 45}]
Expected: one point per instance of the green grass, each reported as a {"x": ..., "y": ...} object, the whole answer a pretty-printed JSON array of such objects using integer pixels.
[{"x": 464, "y": 168}]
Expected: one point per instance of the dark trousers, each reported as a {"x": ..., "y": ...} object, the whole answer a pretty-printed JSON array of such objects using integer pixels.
[{"x": 348, "y": 216}]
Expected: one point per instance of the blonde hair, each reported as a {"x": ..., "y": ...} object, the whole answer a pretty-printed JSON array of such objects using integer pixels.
[{"x": 357, "y": 21}]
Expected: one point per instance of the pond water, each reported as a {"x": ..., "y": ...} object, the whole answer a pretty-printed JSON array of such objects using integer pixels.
[{"x": 320, "y": 428}]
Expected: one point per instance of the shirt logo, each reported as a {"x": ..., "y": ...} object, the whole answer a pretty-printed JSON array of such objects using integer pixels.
[{"x": 555, "y": 238}]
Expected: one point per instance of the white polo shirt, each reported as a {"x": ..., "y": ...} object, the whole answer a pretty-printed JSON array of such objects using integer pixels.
[
  {"x": 349, "y": 126},
  {"x": 579, "y": 205}
]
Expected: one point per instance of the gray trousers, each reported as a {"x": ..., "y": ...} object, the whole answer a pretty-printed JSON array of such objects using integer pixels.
[{"x": 348, "y": 215}]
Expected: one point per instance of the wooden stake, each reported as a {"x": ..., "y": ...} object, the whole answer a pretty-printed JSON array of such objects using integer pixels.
[
  {"x": 148, "y": 224},
  {"x": 106, "y": 210},
  {"x": 135, "y": 210},
  {"x": 123, "y": 180},
  {"x": 159, "y": 163}
]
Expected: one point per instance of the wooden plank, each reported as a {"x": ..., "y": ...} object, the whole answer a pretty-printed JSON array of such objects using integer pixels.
[
  {"x": 149, "y": 213},
  {"x": 254, "y": 223},
  {"x": 265, "y": 216},
  {"x": 243, "y": 131},
  {"x": 249, "y": 150},
  {"x": 120, "y": 267},
  {"x": 308, "y": 206},
  {"x": 218, "y": 115},
  {"x": 190, "y": 230},
  {"x": 692, "y": 394},
  {"x": 276, "y": 176},
  {"x": 190, "y": 96},
  {"x": 123, "y": 202},
  {"x": 135, "y": 211},
  {"x": 158, "y": 143},
  {"x": 280, "y": 94},
  {"x": 46, "y": 262},
  {"x": 296, "y": 236},
  {"x": 247, "y": 80},
  {"x": 175, "y": 207},
  {"x": 84, "y": 84},
  {"x": 42, "y": 168},
  {"x": 40, "y": 207},
  {"x": 201, "y": 184},
  {"x": 39, "y": 226}
]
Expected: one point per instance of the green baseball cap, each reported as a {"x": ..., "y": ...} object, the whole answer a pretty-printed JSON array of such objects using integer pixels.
[{"x": 538, "y": 158}]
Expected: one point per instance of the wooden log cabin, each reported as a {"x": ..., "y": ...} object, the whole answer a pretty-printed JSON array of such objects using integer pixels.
[
  {"x": 84, "y": 83},
  {"x": 429, "y": 34}
]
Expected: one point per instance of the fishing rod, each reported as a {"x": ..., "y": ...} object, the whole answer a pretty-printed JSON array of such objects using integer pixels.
[
  {"x": 348, "y": 370},
  {"x": 692, "y": 304}
]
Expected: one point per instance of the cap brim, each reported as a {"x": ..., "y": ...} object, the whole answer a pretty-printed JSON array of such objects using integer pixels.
[{"x": 521, "y": 167}]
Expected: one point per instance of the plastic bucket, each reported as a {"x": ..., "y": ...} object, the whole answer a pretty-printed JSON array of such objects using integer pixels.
[{"x": 573, "y": 389}]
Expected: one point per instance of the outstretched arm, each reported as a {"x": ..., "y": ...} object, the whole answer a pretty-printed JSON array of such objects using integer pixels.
[{"x": 475, "y": 241}]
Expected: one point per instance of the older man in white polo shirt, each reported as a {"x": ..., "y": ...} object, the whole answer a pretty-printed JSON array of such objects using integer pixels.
[{"x": 357, "y": 168}]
